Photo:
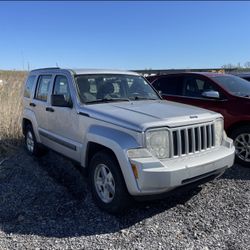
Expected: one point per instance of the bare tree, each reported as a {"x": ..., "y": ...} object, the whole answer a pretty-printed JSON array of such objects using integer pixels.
[
  {"x": 247, "y": 65},
  {"x": 228, "y": 66}
]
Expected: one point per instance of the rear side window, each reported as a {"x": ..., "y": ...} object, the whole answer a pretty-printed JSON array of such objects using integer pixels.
[
  {"x": 43, "y": 87},
  {"x": 169, "y": 85},
  {"x": 29, "y": 85}
]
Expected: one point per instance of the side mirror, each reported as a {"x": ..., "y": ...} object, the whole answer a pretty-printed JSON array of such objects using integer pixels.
[
  {"x": 211, "y": 94},
  {"x": 59, "y": 101}
]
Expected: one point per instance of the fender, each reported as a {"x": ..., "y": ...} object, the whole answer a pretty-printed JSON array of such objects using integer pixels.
[
  {"x": 30, "y": 115},
  {"x": 119, "y": 142}
]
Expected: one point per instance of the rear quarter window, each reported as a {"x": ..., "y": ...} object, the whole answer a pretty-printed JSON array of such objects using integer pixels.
[{"x": 29, "y": 86}]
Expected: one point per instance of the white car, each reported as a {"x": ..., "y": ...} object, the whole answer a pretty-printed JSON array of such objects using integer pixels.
[{"x": 116, "y": 126}]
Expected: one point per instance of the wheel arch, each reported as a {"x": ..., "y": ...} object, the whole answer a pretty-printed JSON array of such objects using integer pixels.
[
  {"x": 25, "y": 123},
  {"x": 116, "y": 143},
  {"x": 237, "y": 126},
  {"x": 30, "y": 118},
  {"x": 93, "y": 148}
]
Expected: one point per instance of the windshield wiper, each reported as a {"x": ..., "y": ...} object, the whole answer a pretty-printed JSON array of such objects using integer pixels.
[
  {"x": 143, "y": 98},
  {"x": 106, "y": 100}
]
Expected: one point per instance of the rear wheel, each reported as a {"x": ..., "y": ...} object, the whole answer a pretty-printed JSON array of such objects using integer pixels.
[
  {"x": 241, "y": 137},
  {"x": 107, "y": 184},
  {"x": 31, "y": 144}
]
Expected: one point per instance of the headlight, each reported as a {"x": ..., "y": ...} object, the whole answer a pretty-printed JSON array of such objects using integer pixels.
[
  {"x": 157, "y": 142},
  {"x": 218, "y": 127}
]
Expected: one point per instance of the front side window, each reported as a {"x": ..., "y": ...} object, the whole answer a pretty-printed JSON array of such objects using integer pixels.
[
  {"x": 43, "y": 87},
  {"x": 29, "y": 85},
  {"x": 109, "y": 87},
  {"x": 61, "y": 87},
  {"x": 194, "y": 87}
]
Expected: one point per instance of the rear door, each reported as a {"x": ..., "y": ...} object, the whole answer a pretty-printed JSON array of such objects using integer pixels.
[
  {"x": 40, "y": 102},
  {"x": 170, "y": 87}
]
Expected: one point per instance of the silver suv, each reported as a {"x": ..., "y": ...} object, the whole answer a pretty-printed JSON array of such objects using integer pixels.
[{"x": 115, "y": 125}]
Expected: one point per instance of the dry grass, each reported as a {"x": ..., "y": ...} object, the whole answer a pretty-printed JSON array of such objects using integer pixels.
[{"x": 11, "y": 92}]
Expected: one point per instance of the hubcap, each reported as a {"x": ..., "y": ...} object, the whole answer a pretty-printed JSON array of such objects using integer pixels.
[
  {"x": 242, "y": 147},
  {"x": 30, "y": 142},
  {"x": 104, "y": 183}
]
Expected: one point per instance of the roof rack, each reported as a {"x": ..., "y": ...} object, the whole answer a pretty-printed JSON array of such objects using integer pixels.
[{"x": 46, "y": 68}]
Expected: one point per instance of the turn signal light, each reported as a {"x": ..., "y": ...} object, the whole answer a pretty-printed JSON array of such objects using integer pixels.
[{"x": 135, "y": 171}]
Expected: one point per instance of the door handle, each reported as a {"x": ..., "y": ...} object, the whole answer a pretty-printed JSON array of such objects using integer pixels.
[
  {"x": 50, "y": 109},
  {"x": 32, "y": 104}
]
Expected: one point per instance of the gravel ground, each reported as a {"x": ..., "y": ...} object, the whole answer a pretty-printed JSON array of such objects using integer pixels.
[{"x": 46, "y": 204}]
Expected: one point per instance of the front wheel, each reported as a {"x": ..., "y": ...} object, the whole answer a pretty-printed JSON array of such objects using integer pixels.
[
  {"x": 241, "y": 137},
  {"x": 107, "y": 184}
]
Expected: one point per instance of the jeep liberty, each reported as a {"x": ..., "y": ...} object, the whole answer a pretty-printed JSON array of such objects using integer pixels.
[{"x": 117, "y": 127}]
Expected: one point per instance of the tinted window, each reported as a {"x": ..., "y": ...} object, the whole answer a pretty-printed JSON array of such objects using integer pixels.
[
  {"x": 29, "y": 85},
  {"x": 169, "y": 85},
  {"x": 43, "y": 87},
  {"x": 194, "y": 86}
]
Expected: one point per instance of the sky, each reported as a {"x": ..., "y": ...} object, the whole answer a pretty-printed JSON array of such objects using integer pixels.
[{"x": 124, "y": 34}]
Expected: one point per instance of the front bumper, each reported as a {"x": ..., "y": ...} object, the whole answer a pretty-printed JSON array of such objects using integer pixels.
[{"x": 155, "y": 176}]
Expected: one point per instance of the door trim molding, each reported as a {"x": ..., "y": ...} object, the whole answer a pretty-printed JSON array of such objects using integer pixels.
[{"x": 57, "y": 140}]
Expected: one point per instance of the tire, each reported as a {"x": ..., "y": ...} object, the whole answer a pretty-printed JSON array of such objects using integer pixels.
[
  {"x": 31, "y": 145},
  {"x": 241, "y": 137},
  {"x": 107, "y": 184}
]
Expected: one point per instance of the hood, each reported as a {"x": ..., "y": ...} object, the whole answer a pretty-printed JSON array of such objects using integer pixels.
[{"x": 140, "y": 115}]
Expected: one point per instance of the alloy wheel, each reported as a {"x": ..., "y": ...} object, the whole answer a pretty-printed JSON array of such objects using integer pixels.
[
  {"x": 104, "y": 183},
  {"x": 30, "y": 142},
  {"x": 242, "y": 146}
]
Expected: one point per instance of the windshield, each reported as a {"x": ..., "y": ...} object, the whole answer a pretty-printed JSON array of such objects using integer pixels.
[
  {"x": 234, "y": 85},
  {"x": 109, "y": 88}
]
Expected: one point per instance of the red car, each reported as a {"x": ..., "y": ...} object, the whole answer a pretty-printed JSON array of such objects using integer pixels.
[
  {"x": 226, "y": 94},
  {"x": 245, "y": 76}
]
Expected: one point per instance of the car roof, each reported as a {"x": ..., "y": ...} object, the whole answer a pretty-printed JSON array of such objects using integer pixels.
[
  {"x": 245, "y": 74},
  {"x": 85, "y": 71},
  {"x": 103, "y": 71},
  {"x": 208, "y": 74}
]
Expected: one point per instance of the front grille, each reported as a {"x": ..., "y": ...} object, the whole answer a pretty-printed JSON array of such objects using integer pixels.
[{"x": 191, "y": 139}]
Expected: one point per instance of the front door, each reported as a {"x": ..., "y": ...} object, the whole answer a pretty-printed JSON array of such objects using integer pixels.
[
  {"x": 63, "y": 122},
  {"x": 188, "y": 89}
]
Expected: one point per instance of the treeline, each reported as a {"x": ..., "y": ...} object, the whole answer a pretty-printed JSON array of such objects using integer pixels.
[{"x": 238, "y": 66}]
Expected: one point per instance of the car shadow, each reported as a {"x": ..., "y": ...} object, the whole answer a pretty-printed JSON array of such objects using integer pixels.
[
  {"x": 50, "y": 197},
  {"x": 237, "y": 172},
  {"x": 9, "y": 147}
]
